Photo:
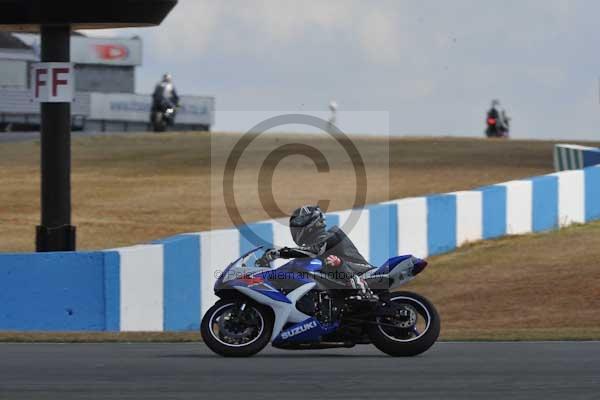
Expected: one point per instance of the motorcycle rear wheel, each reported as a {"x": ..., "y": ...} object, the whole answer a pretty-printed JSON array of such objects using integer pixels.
[
  {"x": 404, "y": 340},
  {"x": 230, "y": 332}
]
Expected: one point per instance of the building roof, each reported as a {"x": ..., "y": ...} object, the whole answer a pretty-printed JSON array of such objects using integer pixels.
[
  {"x": 8, "y": 41},
  {"x": 28, "y": 15}
]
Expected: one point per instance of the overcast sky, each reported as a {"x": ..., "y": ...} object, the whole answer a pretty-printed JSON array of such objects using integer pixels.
[{"x": 433, "y": 65}]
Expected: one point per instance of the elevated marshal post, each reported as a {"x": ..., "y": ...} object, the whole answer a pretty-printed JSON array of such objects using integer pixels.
[{"x": 55, "y": 232}]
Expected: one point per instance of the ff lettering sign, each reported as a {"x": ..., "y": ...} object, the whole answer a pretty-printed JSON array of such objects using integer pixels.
[{"x": 52, "y": 82}]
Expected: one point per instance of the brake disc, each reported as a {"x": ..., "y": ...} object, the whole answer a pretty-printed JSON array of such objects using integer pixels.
[
  {"x": 407, "y": 317},
  {"x": 227, "y": 328}
]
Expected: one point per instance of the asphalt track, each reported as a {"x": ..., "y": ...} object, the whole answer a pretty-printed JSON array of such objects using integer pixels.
[{"x": 545, "y": 370}]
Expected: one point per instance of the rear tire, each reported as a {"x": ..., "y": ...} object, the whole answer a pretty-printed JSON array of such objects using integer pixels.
[
  {"x": 407, "y": 346},
  {"x": 261, "y": 332}
]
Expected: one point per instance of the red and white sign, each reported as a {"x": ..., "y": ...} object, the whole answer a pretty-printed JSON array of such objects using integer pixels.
[
  {"x": 106, "y": 51},
  {"x": 110, "y": 52},
  {"x": 52, "y": 82},
  {"x": 98, "y": 50}
]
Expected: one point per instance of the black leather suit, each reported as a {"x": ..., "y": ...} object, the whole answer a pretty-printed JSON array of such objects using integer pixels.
[{"x": 334, "y": 242}]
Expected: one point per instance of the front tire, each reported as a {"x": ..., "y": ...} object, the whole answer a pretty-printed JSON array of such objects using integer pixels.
[
  {"x": 233, "y": 330},
  {"x": 413, "y": 333},
  {"x": 158, "y": 122}
]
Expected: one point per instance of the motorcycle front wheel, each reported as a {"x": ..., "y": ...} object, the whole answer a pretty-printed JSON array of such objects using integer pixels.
[
  {"x": 237, "y": 328},
  {"x": 414, "y": 329}
]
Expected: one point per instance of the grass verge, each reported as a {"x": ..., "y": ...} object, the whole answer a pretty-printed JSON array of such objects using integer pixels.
[{"x": 475, "y": 335}]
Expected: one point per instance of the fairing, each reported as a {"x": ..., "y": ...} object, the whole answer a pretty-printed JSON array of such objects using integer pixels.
[
  {"x": 258, "y": 284},
  {"x": 396, "y": 272}
]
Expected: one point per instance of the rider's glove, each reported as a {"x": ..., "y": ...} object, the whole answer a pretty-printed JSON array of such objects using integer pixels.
[
  {"x": 267, "y": 257},
  {"x": 333, "y": 261},
  {"x": 271, "y": 254}
]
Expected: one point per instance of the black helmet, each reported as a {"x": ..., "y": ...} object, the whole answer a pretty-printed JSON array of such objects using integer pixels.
[{"x": 307, "y": 225}]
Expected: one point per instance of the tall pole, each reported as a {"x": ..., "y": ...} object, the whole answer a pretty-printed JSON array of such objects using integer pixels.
[{"x": 55, "y": 232}]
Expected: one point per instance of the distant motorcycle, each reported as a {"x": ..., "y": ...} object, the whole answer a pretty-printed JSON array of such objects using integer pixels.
[
  {"x": 297, "y": 306},
  {"x": 163, "y": 116},
  {"x": 495, "y": 126}
]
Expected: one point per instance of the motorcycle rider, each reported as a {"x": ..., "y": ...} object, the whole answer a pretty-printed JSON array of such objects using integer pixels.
[
  {"x": 505, "y": 123},
  {"x": 500, "y": 119},
  {"x": 340, "y": 257},
  {"x": 165, "y": 95}
]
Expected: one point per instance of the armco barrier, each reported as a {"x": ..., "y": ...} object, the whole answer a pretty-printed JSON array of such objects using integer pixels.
[
  {"x": 167, "y": 285},
  {"x": 573, "y": 156}
]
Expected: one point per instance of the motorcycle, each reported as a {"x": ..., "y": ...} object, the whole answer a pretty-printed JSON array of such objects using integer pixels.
[
  {"x": 299, "y": 306},
  {"x": 494, "y": 128},
  {"x": 163, "y": 116}
]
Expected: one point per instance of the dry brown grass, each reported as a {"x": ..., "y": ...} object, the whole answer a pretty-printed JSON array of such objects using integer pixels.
[
  {"x": 546, "y": 283},
  {"x": 135, "y": 188}
]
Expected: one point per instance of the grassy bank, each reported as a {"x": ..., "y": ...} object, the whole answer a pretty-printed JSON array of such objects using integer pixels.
[
  {"x": 136, "y": 188},
  {"x": 542, "y": 286}
]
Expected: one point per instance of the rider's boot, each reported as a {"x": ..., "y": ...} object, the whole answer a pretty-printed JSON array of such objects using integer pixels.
[{"x": 364, "y": 292}]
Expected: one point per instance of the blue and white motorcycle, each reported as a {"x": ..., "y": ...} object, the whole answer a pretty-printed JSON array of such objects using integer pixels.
[{"x": 299, "y": 306}]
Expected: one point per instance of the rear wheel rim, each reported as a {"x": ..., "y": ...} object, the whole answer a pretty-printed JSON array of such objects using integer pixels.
[
  {"x": 227, "y": 328},
  {"x": 406, "y": 329}
]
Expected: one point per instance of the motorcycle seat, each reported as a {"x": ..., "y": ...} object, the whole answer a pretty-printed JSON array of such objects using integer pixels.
[{"x": 389, "y": 265}]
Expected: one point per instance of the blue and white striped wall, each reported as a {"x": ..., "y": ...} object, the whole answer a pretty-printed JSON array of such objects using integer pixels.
[
  {"x": 167, "y": 285},
  {"x": 573, "y": 156}
]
